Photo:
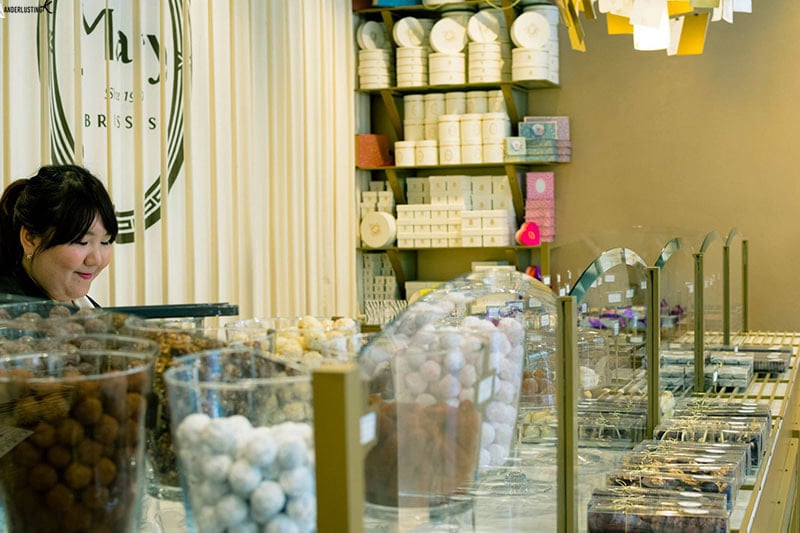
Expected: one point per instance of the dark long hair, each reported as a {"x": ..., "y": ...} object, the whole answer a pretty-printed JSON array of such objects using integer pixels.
[{"x": 58, "y": 205}]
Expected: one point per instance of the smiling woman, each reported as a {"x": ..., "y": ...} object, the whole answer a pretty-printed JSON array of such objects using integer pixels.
[{"x": 56, "y": 232}]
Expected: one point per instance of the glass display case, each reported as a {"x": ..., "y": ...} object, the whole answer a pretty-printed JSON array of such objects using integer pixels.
[{"x": 446, "y": 380}]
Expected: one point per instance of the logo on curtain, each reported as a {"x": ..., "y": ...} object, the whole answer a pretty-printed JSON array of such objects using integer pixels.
[
  {"x": 45, "y": 7},
  {"x": 129, "y": 115}
]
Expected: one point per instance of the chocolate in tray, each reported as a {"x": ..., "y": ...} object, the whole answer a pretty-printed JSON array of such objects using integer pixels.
[
  {"x": 612, "y": 515},
  {"x": 715, "y": 482},
  {"x": 611, "y": 430},
  {"x": 735, "y": 453},
  {"x": 766, "y": 359},
  {"x": 712, "y": 429},
  {"x": 685, "y": 462}
]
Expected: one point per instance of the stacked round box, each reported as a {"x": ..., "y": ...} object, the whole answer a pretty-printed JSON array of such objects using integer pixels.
[
  {"x": 412, "y": 38},
  {"x": 540, "y": 203},
  {"x": 375, "y": 59},
  {"x": 489, "y": 47},
  {"x": 447, "y": 64},
  {"x": 535, "y": 33}
]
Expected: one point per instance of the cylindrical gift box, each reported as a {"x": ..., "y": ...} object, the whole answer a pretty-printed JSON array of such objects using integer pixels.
[
  {"x": 450, "y": 154},
  {"x": 405, "y": 153},
  {"x": 455, "y": 103},
  {"x": 414, "y": 107},
  {"x": 449, "y": 130},
  {"x": 493, "y": 153},
  {"x": 476, "y": 102},
  {"x": 471, "y": 153},
  {"x": 434, "y": 106},
  {"x": 431, "y": 130},
  {"x": 495, "y": 102},
  {"x": 427, "y": 153},
  {"x": 378, "y": 229},
  {"x": 471, "y": 129},
  {"x": 495, "y": 127},
  {"x": 413, "y": 131}
]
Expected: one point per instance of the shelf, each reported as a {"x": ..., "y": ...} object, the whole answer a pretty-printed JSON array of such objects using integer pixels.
[
  {"x": 406, "y": 261},
  {"x": 522, "y": 85},
  {"x": 509, "y": 89},
  {"x": 511, "y": 170}
]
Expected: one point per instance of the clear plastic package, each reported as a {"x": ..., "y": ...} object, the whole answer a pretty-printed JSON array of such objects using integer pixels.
[{"x": 626, "y": 513}]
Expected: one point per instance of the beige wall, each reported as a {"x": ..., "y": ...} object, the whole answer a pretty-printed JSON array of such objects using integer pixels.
[{"x": 701, "y": 142}]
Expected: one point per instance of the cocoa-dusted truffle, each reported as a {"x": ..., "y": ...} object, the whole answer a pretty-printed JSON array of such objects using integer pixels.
[
  {"x": 42, "y": 477},
  {"x": 94, "y": 497},
  {"x": 106, "y": 429},
  {"x": 44, "y": 435},
  {"x": 59, "y": 456},
  {"x": 69, "y": 432},
  {"x": 59, "y": 498},
  {"x": 89, "y": 452},
  {"x": 27, "y": 411},
  {"x": 77, "y": 518},
  {"x": 134, "y": 404},
  {"x": 105, "y": 471},
  {"x": 26, "y": 454},
  {"x": 77, "y": 475},
  {"x": 89, "y": 410},
  {"x": 54, "y": 407}
]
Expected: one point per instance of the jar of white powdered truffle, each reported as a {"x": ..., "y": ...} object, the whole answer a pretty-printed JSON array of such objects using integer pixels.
[
  {"x": 242, "y": 429},
  {"x": 445, "y": 379}
]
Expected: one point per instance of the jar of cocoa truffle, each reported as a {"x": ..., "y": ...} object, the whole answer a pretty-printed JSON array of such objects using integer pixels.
[{"x": 76, "y": 413}]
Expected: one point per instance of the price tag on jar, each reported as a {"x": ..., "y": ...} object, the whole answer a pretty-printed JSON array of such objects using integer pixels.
[
  {"x": 485, "y": 390},
  {"x": 10, "y": 437}
]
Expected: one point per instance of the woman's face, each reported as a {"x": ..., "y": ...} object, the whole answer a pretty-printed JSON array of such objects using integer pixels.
[{"x": 66, "y": 271}]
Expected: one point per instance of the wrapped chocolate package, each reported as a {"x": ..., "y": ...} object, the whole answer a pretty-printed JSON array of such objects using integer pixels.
[{"x": 627, "y": 513}]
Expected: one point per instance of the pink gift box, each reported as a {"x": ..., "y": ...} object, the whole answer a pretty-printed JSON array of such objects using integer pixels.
[
  {"x": 540, "y": 185},
  {"x": 540, "y": 203},
  {"x": 543, "y": 220}
]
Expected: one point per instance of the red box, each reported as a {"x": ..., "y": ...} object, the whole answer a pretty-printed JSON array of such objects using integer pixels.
[{"x": 372, "y": 150}]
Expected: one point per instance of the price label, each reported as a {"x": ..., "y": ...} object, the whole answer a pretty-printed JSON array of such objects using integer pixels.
[
  {"x": 10, "y": 437},
  {"x": 614, "y": 297},
  {"x": 609, "y": 278},
  {"x": 368, "y": 426},
  {"x": 629, "y": 293}
]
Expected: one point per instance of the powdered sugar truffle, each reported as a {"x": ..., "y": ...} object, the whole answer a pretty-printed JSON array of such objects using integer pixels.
[
  {"x": 218, "y": 436},
  {"x": 467, "y": 395},
  {"x": 292, "y": 452},
  {"x": 231, "y": 510},
  {"x": 281, "y": 524},
  {"x": 449, "y": 387},
  {"x": 504, "y": 391},
  {"x": 415, "y": 383},
  {"x": 244, "y": 477},
  {"x": 512, "y": 329},
  {"x": 209, "y": 492},
  {"x": 303, "y": 509},
  {"x": 454, "y": 360},
  {"x": 430, "y": 370},
  {"x": 190, "y": 431},
  {"x": 206, "y": 518},
  {"x": 260, "y": 448},
  {"x": 468, "y": 376},
  {"x": 296, "y": 481},
  {"x": 245, "y": 527},
  {"x": 266, "y": 501},
  {"x": 498, "y": 454},
  {"x": 217, "y": 467},
  {"x": 503, "y": 434},
  {"x": 487, "y": 434}
]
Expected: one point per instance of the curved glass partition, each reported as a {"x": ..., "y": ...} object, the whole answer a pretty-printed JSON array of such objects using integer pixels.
[
  {"x": 574, "y": 252},
  {"x": 676, "y": 264},
  {"x": 713, "y": 285},
  {"x": 734, "y": 270},
  {"x": 610, "y": 295}
]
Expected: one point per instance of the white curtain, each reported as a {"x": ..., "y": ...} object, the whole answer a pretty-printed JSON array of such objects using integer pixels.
[{"x": 246, "y": 106}]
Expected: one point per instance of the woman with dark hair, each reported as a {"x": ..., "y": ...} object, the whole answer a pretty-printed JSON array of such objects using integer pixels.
[{"x": 56, "y": 232}]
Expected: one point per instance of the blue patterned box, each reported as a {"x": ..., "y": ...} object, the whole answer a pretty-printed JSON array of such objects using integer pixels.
[{"x": 545, "y": 127}]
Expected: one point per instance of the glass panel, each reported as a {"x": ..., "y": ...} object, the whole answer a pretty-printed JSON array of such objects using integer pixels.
[
  {"x": 573, "y": 253},
  {"x": 735, "y": 271},
  {"x": 713, "y": 287}
]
